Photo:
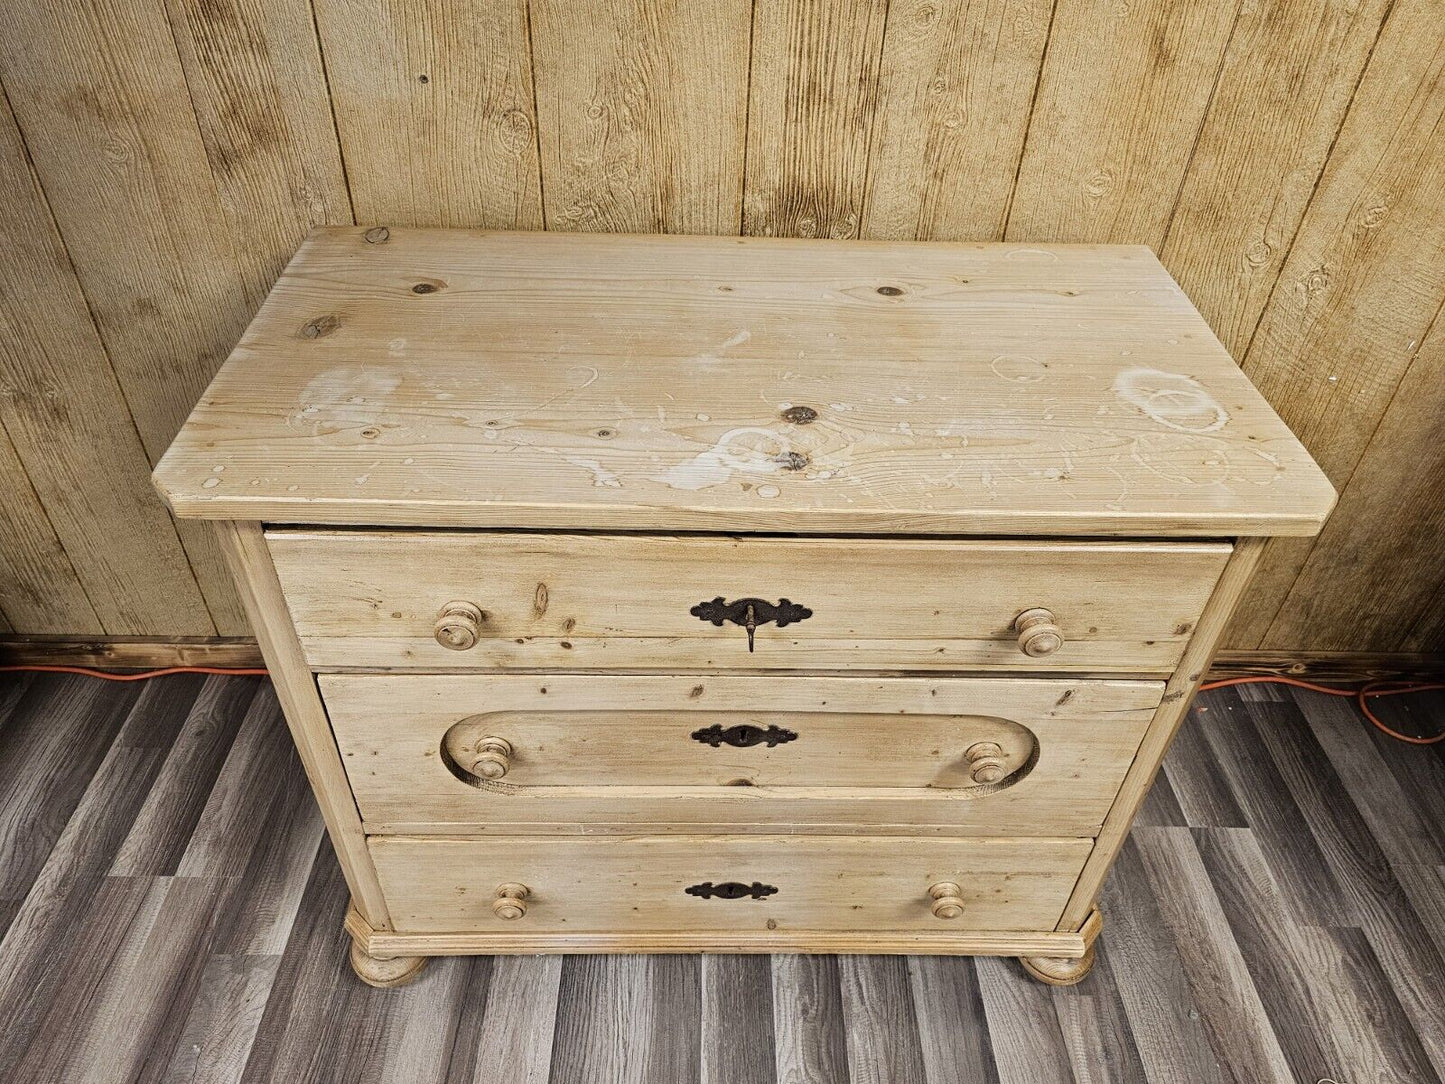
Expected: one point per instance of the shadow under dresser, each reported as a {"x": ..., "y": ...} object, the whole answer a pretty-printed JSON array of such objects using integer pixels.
[{"x": 664, "y": 594}]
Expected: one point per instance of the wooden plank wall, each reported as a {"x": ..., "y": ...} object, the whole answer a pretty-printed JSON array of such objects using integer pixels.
[{"x": 160, "y": 159}]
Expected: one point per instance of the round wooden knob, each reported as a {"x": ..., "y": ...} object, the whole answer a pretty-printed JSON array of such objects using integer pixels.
[
  {"x": 985, "y": 761},
  {"x": 511, "y": 901},
  {"x": 1038, "y": 635},
  {"x": 491, "y": 757},
  {"x": 458, "y": 625},
  {"x": 947, "y": 900}
]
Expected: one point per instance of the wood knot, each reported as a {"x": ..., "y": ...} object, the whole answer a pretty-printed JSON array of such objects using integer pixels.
[
  {"x": 791, "y": 460},
  {"x": 800, "y": 415},
  {"x": 377, "y": 235},
  {"x": 890, "y": 291},
  {"x": 425, "y": 288},
  {"x": 320, "y": 326}
]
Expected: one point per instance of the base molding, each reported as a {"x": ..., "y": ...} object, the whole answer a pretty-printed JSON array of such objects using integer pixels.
[
  {"x": 388, "y": 944},
  {"x": 239, "y": 652}
]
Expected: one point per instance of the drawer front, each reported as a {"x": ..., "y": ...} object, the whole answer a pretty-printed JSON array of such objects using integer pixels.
[
  {"x": 725, "y": 883},
  {"x": 485, "y": 600},
  {"x": 449, "y": 754}
]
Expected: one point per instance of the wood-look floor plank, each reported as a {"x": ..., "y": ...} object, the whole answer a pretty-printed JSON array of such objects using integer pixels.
[
  {"x": 952, "y": 1026},
  {"x": 1161, "y": 807},
  {"x": 180, "y": 792},
  {"x": 1202, "y": 791},
  {"x": 56, "y": 737},
  {"x": 40, "y": 943},
  {"x": 128, "y": 1028},
  {"x": 808, "y": 1035},
  {"x": 221, "y": 1020},
  {"x": 1096, "y": 1028},
  {"x": 37, "y": 1028},
  {"x": 1253, "y": 776},
  {"x": 627, "y": 1019},
  {"x": 321, "y": 1024},
  {"x": 1028, "y": 1047},
  {"x": 1172, "y": 1039},
  {"x": 1278, "y": 953},
  {"x": 1223, "y": 990},
  {"x": 880, "y": 1022},
  {"x": 737, "y": 1020},
  {"x": 512, "y": 1038},
  {"x": 1369, "y": 1028},
  {"x": 1407, "y": 953}
]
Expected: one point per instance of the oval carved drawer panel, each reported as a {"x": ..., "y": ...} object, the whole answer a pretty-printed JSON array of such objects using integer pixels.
[
  {"x": 470, "y": 752},
  {"x": 698, "y": 883},
  {"x": 487, "y": 600}
]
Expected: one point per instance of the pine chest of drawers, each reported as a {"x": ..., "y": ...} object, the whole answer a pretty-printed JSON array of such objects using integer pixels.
[{"x": 684, "y": 594}]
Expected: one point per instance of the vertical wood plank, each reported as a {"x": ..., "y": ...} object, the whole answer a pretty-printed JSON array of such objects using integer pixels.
[
  {"x": 1124, "y": 89},
  {"x": 1363, "y": 281},
  {"x": 98, "y": 91},
  {"x": 643, "y": 110},
  {"x": 260, "y": 96},
  {"x": 39, "y": 589},
  {"x": 955, "y": 88},
  {"x": 433, "y": 100},
  {"x": 63, "y": 410},
  {"x": 1287, "y": 78},
  {"x": 810, "y": 116},
  {"x": 1362, "y": 580}
]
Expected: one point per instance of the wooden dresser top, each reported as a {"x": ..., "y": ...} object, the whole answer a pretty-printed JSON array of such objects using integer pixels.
[{"x": 572, "y": 381}]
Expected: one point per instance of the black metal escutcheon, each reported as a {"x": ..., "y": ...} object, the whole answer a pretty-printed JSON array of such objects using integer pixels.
[
  {"x": 750, "y": 613},
  {"x": 731, "y": 890},
  {"x": 743, "y": 735}
]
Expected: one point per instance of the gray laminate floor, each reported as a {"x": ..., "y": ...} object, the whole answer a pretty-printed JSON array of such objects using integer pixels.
[{"x": 172, "y": 913}]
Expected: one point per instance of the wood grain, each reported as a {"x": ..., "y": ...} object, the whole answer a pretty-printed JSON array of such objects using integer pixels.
[
  {"x": 260, "y": 96},
  {"x": 372, "y": 599},
  {"x": 1334, "y": 343},
  {"x": 659, "y": 397},
  {"x": 39, "y": 588},
  {"x": 433, "y": 102},
  {"x": 1124, "y": 89},
  {"x": 814, "y": 90},
  {"x": 1357, "y": 583},
  {"x": 955, "y": 88},
  {"x": 144, "y": 230},
  {"x": 644, "y": 108},
  {"x": 614, "y": 751},
  {"x": 873, "y": 888},
  {"x": 245, "y": 548},
  {"x": 59, "y": 390},
  {"x": 1290, "y": 69}
]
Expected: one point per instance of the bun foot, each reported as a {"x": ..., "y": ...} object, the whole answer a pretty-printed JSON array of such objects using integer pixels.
[
  {"x": 397, "y": 971},
  {"x": 1059, "y": 970}
]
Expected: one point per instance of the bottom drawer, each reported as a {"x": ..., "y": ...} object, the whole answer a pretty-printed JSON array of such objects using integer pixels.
[{"x": 695, "y": 884}]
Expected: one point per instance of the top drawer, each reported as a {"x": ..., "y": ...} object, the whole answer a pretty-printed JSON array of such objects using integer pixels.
[{"x": 480, "y": 600}]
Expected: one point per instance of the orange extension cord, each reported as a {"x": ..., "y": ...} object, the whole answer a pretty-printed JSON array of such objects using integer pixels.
[{"x": 1361, "y": 695}]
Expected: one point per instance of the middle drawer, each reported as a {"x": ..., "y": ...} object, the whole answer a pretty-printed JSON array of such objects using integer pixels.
[{"x": 463, "y": 754}]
